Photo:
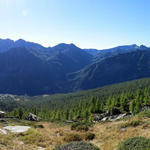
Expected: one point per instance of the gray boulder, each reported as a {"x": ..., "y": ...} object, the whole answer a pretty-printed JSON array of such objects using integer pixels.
[
  {"x": 105, "y": 119},
  {"x": 100, "y": 117},
  {"x": 106, "y": 116},
  {"x": 2, "y": 114},
  {"x": 32, "y": 117}
]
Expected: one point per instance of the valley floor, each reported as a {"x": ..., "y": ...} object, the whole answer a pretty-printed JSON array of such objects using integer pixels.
[{"x": 44, "y": 135}]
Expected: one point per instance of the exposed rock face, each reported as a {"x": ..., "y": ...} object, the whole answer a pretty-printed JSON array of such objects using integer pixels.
[
  {"x": 106, "y": 116},
  {"x": 32, "y": 117},
  {"x": 2, "y": 114},
  {"x": 146, "y": 108},
  {"x": 101, "y": 116},
  {"x": 17, "y": 129}
]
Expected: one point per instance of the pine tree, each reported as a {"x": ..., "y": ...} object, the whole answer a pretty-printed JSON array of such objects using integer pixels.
[{"x": 20, "y": 113}]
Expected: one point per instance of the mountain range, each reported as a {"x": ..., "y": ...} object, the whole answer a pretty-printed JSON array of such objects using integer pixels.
[{"x": 32, "y": 69}]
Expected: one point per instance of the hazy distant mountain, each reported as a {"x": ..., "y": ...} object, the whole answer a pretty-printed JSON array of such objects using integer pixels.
[
  {"x": 115, "y": 51},
  {"x": 119, "y": 68},
  {"x": 29, "y": 68},
  {"x": 26, "y": 71},
  {"x": 93, "y": 52},
  {"x": 7, "y": 44}
]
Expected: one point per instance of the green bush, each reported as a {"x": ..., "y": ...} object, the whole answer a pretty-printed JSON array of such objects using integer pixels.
[
  {"x": 38, "y": 126},
  {"x": 72, "y": 137},
  {"x": 31, "y": 136},
  {"x": 77, "y": 146},
  {"x": 79, "y": 126},
  {"x": 135, "y": 143},
  {"x": 89, "y": 136}
]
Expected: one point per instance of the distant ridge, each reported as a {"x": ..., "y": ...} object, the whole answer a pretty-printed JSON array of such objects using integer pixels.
[{"x": 29, "y": 68}]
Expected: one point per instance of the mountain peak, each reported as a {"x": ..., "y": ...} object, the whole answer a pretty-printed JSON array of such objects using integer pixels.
[
  {"x": 20, "y": 41},
  {"x": 143, "y": 47},
  {"x": 64, "y": 45}
]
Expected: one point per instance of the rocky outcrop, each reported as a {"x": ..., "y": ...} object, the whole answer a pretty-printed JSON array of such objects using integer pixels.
[
  {"x": 106, "y": 116},
  {"x": 17, "y": 129},
  {"x": 32, "y": 117},
  {"x": 2, "y": 114}
]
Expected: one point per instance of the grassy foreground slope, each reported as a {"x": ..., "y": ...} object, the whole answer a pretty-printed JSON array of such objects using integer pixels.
[{"x": 108, "y": 135}]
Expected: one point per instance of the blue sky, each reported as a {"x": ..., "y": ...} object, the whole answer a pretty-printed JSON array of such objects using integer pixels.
[{"x": 86, "y": 23}]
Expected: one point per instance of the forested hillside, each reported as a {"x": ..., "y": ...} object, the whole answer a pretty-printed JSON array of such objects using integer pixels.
[{"x": 127, "y": 96}]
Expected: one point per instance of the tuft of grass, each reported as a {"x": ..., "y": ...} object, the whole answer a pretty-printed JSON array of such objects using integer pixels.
[
  {"x": 38, "y": 126},
  {"x": 5, "y": 140},
  {"x": 72, "y": 137},
  {"x": 79, "y": 126},
  {"x": 31, "y": 136}
]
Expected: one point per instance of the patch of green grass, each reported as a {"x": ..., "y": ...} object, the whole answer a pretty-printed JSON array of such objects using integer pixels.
[{"x": 135, "y": 143}]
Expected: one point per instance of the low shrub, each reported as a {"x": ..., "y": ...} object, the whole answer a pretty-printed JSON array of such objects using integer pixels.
[
  {"x": 133, "y": 123},
  {"x": 38, "y": 126},
  {"x": 77, "y": 146},
  {"x": 5, "y": 140},
  {"x": 31, "y": 136},
  {"x": 145, "y": 113},
  {"x": 79, "y": 127},
  {"x": 135, "y": 143},
  {"x": 72, "y": 137},
  {"x": 89, "y": 136}
]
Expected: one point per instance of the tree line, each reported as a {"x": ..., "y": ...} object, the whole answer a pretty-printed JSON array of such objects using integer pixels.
[{"x": 85, "y": 109}]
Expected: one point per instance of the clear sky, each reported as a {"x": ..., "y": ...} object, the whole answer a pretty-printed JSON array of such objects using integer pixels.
[{"x": 86, "y": 23}]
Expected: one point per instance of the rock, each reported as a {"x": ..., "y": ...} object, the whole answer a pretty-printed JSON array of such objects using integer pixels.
[
  {"x": 2, "y": 114},
  {"x": 105, "y": 119},
  {"x": 3, "y": 120},
  {"x": 107, "y": 116},
  {"x": 17, "y": 129},
  {"x": 20, "y": 143},
  {"x": 40, "y": 148},
  {"x": 146, "y": 108},
  {"x": 68, "y": 121},
  {"x": 121, "y": 116},
  {"x": 32, "y": 117},
  {"x": 3, "y": 131},
  {"x": 123, "y": 129},
  {"x": 100, "y": 117}
]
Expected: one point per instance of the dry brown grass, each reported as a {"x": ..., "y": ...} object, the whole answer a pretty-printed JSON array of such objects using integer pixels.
[{"x": 108, "y": 135}]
